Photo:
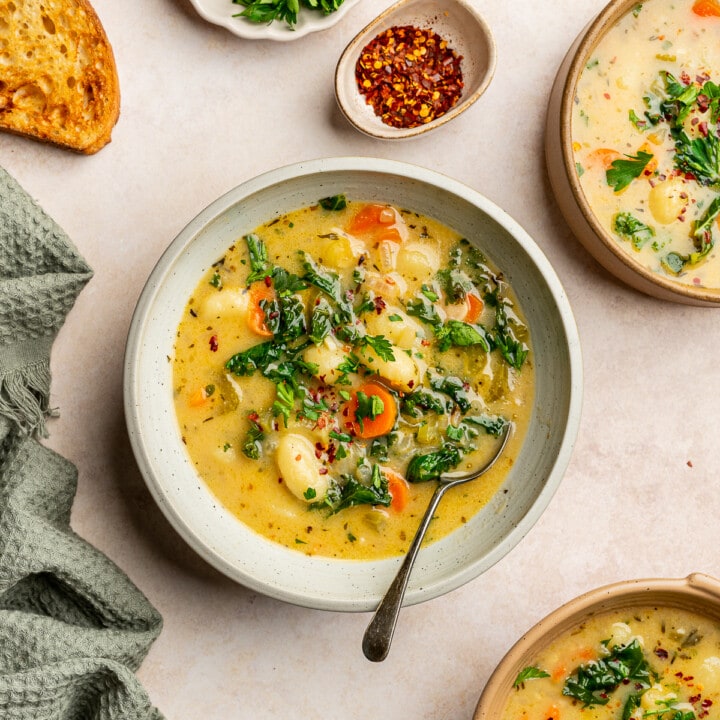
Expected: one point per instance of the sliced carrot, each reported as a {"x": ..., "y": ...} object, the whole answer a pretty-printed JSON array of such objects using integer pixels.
[
  {"x": 475, "y": 308},
  {"x": 603, "y": 157},
  {"x": 367, "y": 218},
  {"x": 552, "y": 713},
  {"x": 371, "y": 217},
  {"x": 706, "y": 8},
  {"x": 258, "y": 292},
  {"x": 559, "y": 673},
  {"x": 383, "y": 422},
  {"x": 198, "y": 397},
  {"x": 391, "y": 233},
  {"x": 399, "y": 489}
]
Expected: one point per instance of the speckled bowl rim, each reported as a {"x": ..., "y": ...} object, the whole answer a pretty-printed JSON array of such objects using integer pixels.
[
  {"x": 321, "y": 582},
  {"x": 697, "y": 592},
  {"x": 372, "y": 125},
  {"x": 588, "y": 40}
]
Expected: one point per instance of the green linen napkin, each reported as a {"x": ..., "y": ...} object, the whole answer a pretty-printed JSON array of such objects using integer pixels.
[{"x": 73, "y": 628}]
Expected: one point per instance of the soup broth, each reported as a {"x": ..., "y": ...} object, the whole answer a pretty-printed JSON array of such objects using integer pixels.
[
  {"x": 640, "y": 663},
  {"x": 331, "y": 364},
  {"x": 645, "y": 137}
]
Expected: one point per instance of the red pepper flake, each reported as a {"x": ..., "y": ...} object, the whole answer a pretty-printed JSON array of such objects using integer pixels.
[
  {"x": 606, "y": 96},
  {"x": 409, "y": 76},
  {"x": 214, "y": 343}
]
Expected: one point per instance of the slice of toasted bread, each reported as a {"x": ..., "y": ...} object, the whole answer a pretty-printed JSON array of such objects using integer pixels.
[{"x": 58, "y": 80}]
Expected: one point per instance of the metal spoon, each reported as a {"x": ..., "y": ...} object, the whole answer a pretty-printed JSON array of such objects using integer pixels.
[{"x": 379, "y": 633}]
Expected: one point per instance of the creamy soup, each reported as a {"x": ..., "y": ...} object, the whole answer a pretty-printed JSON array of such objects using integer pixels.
[
  {"x": 640, "y": 663},
  {"x": 332, "y": 364},
  {"x": 645, "y": 132}
]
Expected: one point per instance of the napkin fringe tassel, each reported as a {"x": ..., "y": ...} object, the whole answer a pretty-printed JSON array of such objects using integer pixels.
[{"x": 24, "y": 397}]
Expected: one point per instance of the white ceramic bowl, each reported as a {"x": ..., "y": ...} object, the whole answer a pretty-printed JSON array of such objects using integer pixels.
[
  {"x": 316, "y": 581},
  {"x": 221, "y": 12},
  {"x": 458, "y": 22},
  {"x": 697, "y": 593}
]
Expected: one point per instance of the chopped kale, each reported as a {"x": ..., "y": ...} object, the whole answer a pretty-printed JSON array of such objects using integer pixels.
[
  {"x": 593, "y": 682},
  {"x": 629, "y": 227},
  {"x": 334, "y": 202}
]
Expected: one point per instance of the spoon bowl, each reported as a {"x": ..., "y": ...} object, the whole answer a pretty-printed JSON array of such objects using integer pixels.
[
  {"x": 456, "y": 21},
  {"x": 379, "y": 633}
]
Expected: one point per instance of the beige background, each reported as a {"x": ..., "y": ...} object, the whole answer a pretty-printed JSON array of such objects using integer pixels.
[{"x": 203, "y": 111}]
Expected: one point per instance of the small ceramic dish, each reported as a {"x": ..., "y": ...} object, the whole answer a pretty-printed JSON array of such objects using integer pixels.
[
  {"x": 698, "y": 594},
  {"x": 323, "y": 582},
  {"x": 456, "y": 21},
  {"x": 222, "y": 12},
  {"x": 614, "y": 254}
]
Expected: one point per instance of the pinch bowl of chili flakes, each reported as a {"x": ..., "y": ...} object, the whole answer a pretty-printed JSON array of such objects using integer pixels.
[{"x": 415, "y": 67}]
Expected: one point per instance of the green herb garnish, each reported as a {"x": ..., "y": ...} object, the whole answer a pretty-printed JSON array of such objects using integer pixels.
[
  {"x": 267, "y": 11},
  {"x": 629, "y": 227},
  {"x": 529, "y": 673},
  {"x": 593, "y": 682},
  {"x": 624, "y": 170},
  {"x": 334, "y": 202}
]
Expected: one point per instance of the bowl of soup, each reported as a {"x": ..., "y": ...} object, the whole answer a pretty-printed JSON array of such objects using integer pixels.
[
  {"x": 633, "y": 649},
  {"x": 632, "y": 145},
  {"x": 317, "y": 346}
]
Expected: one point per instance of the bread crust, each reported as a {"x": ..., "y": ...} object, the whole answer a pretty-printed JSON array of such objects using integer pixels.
[{"x": 58, "y": 78}]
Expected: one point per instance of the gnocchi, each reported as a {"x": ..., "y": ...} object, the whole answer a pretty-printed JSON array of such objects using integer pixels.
[{"x": 301, "y": 472}]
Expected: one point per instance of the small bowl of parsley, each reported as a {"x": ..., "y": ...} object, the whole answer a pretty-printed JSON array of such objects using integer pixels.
[
  {"x": 633, "y": 146},
  {"x": 281, "y": 20}
]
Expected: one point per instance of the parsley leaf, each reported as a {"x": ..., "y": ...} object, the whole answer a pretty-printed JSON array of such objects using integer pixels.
[
  {"x": 285, "y": 401},
  {"x": 381, "y": 345},
  {"x": 529, "y": 673},
  {"x": 252, "y": 444},
  {"x": 266, "y": 11},
  {"x": 623, "y": 171},
  {"x": 258, "y": 253},
  {"x": 368, "y": 407}
]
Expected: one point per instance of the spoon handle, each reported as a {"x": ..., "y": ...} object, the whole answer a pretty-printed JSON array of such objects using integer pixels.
[{"x": 379, "y": 633}]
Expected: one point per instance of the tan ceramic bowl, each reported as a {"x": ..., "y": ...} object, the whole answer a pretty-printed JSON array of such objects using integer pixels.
[
  {"x": 697, "y": 593},
  {"x": 566, "y": 186}
]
